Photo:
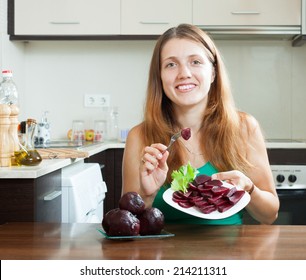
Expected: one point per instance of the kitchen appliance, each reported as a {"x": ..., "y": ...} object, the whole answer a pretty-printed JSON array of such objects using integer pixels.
[
  {"x": 287, "y": 159},
  {"x": 288, "y": 164},
  {"x": 290, "y": 181},
  {"x": 83, "y": 193}
]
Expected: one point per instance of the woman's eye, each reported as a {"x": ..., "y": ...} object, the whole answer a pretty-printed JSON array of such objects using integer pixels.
[
  {"x": 170, "y": 65},
  {"x": 196, "y": 62}
]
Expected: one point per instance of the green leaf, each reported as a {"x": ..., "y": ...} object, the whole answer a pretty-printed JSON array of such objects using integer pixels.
[{"x": 182, "y": 177}]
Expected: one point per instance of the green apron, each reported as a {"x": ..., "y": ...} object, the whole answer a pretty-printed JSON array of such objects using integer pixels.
[{"x": 175, "y": 216}]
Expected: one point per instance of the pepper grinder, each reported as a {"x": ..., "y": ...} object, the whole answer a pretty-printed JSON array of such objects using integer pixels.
[
  {"x": 5, "y": 155},
  {"x": 13, "y": 131}
]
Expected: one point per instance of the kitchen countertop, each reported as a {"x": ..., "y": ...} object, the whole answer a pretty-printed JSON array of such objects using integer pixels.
[
  {"x": 41, "y": 241},
  {"x": 50, "y": 165},
  {"x": 285, "y": 144}
]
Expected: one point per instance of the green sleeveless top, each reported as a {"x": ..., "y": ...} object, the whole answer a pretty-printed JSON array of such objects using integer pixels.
[{"x": 175, "y": 216}]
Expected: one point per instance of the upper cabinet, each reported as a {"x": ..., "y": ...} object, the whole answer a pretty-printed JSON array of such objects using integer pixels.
[
  {"x": 139, "y": 17},
  {"x": 65, "y": 17},
  {"x": 146, "y": 19},
  {"x": 242, "y": 12},
  {"x": 257, "y": 19}
]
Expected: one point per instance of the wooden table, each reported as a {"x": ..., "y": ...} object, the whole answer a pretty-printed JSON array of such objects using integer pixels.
[{"x": 82, "y": 241}]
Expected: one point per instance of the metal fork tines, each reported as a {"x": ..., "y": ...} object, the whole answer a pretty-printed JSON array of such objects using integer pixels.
[{"x": 174, "y": 137}]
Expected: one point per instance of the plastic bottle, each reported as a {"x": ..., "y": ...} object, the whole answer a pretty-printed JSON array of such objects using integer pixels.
[
  {"x": 113, "y": 124},
  {"x": 8, "y": 89}
]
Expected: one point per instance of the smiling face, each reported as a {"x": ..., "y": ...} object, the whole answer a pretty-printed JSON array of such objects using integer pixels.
[{"x": 186, "y": 72}]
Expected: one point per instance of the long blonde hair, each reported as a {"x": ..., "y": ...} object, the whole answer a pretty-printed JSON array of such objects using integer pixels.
[{"x": 221, "y": 137}]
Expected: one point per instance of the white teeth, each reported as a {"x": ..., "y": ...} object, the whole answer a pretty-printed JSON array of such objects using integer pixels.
[{"x": 185, "y": 87}]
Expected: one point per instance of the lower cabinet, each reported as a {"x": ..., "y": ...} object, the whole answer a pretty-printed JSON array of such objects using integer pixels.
[
  {"x": 111, "y": 166},
  {"x": 40, "y": 200},
  {"x": 31, "y": 200}
]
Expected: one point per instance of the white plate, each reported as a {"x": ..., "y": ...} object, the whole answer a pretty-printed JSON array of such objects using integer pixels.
[{"x": 167, "y": 196}]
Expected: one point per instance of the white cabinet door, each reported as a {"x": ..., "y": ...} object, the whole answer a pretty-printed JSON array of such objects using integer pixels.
[
  {"x": 153, "y": 17},
  {"x": 67, "y": 17},
  {"x": 247, "y": 12}
]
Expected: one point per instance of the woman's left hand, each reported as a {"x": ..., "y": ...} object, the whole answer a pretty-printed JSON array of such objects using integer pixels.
[{"x": 236, "y": 178}]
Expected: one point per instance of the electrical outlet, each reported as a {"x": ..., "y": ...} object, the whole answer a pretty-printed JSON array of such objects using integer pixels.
[{"x": 96, "y": 100}]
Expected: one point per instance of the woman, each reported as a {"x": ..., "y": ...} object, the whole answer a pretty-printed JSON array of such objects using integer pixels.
[{"x": 188, "y": 87}]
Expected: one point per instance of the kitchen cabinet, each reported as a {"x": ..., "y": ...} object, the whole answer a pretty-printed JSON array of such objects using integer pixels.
[
  {"x": 247, "y": 13},
  {"x": 138, "y": 19},
  {"x": 153, "y": 16},
  {"x": 110, "y": 161},
  {"x": 69, "y": 17},
  {"x": 31, "y": 200}
]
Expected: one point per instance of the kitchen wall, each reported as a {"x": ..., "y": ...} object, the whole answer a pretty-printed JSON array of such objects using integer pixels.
[
  {"x": 59, "y": 74},
  {"x": 268, "y": 80},
  {"x": 12, "y": 56}
]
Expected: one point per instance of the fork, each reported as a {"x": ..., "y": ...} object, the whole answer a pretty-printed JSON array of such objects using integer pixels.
[{"x": 174, "y": 137}]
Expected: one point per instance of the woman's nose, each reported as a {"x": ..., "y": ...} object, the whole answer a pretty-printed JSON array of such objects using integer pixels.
[{"x": 184, "y": 72}]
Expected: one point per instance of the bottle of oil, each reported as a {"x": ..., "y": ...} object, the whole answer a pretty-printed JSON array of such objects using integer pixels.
[{"x": 27, "y": 154}]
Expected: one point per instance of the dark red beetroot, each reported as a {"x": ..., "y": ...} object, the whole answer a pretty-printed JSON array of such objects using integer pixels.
[
  {"x": 107, "y": 219},
  {"x": 132, "y": 202},
  {"x": 186, "y": 133},
  {"x": 224, "y": 207},
  {"x": 214, "y": 183},
  {"x": 208, "y": 195},
  {"x": 208, "y": 209},
  {"x": 236, "y": 196},
  {"x": 186, "y": 204},
  {"x": 220, "y": 190},
  {"x": 151, "y": 221},
  {"x": 123, "y": 223},
  {"x": 201, "y": 179}
]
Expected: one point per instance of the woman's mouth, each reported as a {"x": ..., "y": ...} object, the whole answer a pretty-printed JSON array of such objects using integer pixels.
[{"x": 186, "y": 87}]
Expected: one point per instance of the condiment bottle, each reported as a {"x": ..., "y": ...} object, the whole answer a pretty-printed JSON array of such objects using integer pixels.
[
  {"x": 8, "y": 89},
  {"x": 113, "y": 124},
  {"x": 5, "y": 155},
  {"x": 28, "y": 155},
  {"x": 9, "y": 96}
]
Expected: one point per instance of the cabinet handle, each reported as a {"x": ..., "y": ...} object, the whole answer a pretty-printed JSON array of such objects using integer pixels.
[
  {"x": 102, "y": 166},
  {"x": 154, "y": 22},
  {"x": 64, "y": 22},
  {"x": 52, "y": 195},
  {"x": 245, "y": 13}
]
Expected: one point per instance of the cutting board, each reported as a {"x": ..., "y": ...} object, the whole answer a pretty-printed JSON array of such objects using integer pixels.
[{"x": 60, "y": 153}]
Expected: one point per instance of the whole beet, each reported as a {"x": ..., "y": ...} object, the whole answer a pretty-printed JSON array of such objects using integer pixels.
[
  {"x": 132, "y": 202},
  {"x": 123, "y": 223},
  {"x": 107, "y": 219},
  {"x": 151, "y": 221}
]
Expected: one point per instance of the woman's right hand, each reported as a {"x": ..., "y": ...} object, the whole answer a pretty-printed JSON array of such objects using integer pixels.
[{"x": 153, "y": 168}]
